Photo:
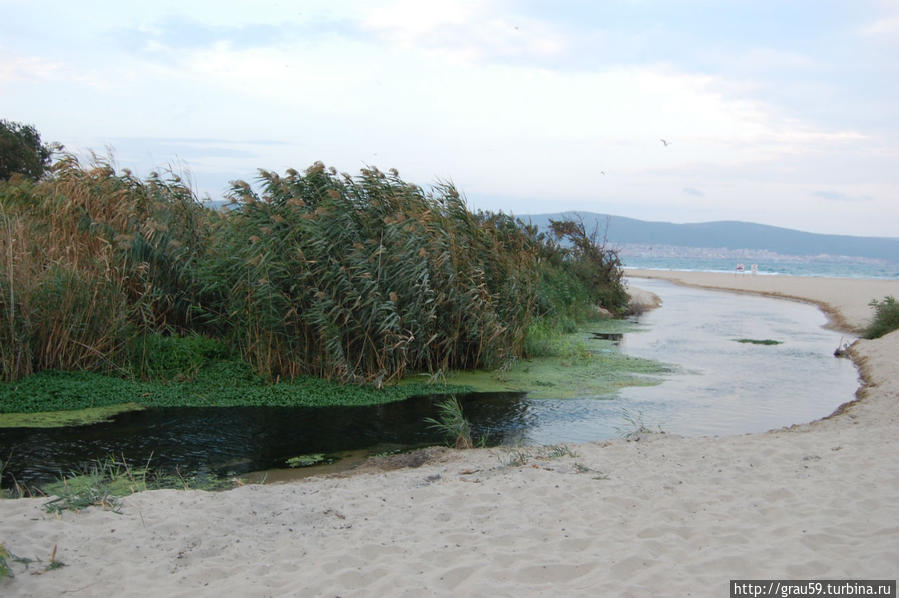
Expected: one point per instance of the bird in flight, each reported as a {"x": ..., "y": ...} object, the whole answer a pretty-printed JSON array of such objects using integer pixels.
[{"x": 666, "y": 143}]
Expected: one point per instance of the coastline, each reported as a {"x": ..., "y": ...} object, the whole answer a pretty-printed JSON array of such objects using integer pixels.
[
  {"x": 663, "y": 515},
  {"x": 843, "y": 300}
]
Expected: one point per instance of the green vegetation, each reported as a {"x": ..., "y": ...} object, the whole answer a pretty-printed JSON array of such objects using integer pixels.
[
  {"x": 115, "y": 289},
  {"x": 753, "y": 341},
  {"x": 634, "y": 426},
  {"x": 452, "y": 423},
  {"x": 886, "y": 317},
  {"x": 6, "y": 557},
  {"x": 310, "y": 460},
  {"x": 519, "y": 456},
  {"x": 576, "y": 364},
  {"x": 107, "y": 480},
  {"x": 4, "y": 565},
  {"x": 21, "y": 151},
  {"x": 55, "y": 419},
  {"x": 219, "y": 384}
]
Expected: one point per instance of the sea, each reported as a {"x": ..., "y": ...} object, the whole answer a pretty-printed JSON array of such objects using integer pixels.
[{"x": 806, "y": 266}]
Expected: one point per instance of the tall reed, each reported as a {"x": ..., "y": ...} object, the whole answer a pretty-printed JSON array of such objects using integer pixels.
[
  {"x": 358, "y": 279},
  {"x": 367, "y": 278},
  {"x": 91, "y": 258}
]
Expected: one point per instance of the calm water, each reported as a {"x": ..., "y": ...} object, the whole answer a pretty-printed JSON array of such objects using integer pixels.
[
  {"x": 726, "y": 387},
  {"x": 817, "y": 267},
  {"x": 719, "y": 387}
]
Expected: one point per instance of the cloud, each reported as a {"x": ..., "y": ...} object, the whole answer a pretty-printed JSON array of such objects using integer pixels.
[
  {"x": 841, "y": 197},
  {"x": 178, "y": 34},
  {"x": 694, "y": 192},
  {"x": 23, "y": 68},
  {"x": 885, "y": 27},
  {"x": 463, "y": 30}
]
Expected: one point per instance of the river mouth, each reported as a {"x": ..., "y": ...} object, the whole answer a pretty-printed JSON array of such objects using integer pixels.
[{"x": 719, "y": 386}]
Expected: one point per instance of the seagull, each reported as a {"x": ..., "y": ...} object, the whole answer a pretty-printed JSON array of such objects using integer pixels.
[{"x": 665, "y": 143}]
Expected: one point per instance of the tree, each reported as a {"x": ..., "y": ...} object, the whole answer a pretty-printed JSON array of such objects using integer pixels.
[
  {"x": 21, "y": 151},
  {"x": 593, "y": 261}
]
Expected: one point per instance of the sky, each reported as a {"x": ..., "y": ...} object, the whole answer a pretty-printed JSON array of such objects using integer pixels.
[{"x": 771, "y": 111}]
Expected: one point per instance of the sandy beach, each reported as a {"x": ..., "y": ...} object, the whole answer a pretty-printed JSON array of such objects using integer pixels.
[{"x": 659, "y": 516}]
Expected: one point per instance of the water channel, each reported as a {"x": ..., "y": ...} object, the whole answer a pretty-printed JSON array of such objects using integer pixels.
[{"x": 718, "y": 386}]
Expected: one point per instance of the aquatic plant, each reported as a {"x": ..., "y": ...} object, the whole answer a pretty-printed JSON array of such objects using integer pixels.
[
  {"x": 367, "y": 278},
  {"x": 4, "y": 565},
  {"x": 634, "y": 426},
  {"x": 452, "y": 423},
  {"x": 309, "y": 460},
  {"x": 221, "y": 383},
  {"x": 886, "y": 317},
  {"x": 753, "y": 341},
  {"x": 91, "y": 258}
]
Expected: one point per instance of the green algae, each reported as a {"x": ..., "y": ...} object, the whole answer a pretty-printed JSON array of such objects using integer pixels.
[
  {"x": 56, "y": 398},
  {"x": 582, "y": 365},
  {"x": 753, "y": 341},
  {"x": 76, "y": 417}
]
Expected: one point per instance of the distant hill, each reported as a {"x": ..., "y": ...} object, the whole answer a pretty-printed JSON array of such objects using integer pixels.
[{"x": 729, "y": 235}]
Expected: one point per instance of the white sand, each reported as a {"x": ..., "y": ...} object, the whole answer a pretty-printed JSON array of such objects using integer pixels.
[{"x": 663, "y": 516}]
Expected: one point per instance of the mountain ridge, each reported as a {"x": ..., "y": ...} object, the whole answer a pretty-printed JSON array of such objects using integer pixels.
[{"x": 727, "y": 234}]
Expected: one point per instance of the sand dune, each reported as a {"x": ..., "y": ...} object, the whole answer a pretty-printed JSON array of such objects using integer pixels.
[{"x": 661, "y": 516}]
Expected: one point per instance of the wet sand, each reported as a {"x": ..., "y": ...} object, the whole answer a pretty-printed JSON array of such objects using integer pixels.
[{"x": 659, "y": 515}]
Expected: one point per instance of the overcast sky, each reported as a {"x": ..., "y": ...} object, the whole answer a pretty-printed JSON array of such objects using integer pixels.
[{"x": 783, "y": 112}]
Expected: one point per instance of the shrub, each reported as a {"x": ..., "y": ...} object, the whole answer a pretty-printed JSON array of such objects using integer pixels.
[
  {"x": 886, "y": 317},
  {"x": 21, "y": 151}
]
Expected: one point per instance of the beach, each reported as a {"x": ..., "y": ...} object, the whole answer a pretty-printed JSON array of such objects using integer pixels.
[{"x": 654, "y": 515}]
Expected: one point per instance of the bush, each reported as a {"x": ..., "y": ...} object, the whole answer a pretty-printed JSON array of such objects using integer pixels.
[
  {"x": 886, "y": 317},
  {"x": 21, "y": 151}
]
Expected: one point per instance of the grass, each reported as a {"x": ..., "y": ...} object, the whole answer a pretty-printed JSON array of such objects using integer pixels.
[
  {"x": 520, "y": 456},
  {"x": 6, "y": 557},
  {"x": 452, "y": 424},
  {"x": 886, "y": 317},
  {"x": 634, "y": 426},
  {"x": 105, "y": 481}
]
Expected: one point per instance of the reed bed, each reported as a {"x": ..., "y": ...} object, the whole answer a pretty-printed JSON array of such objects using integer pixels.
[{"x": 356, "y": 279}]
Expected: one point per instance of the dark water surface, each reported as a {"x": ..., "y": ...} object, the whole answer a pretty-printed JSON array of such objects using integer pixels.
[{"x": 720, "y": 387}]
